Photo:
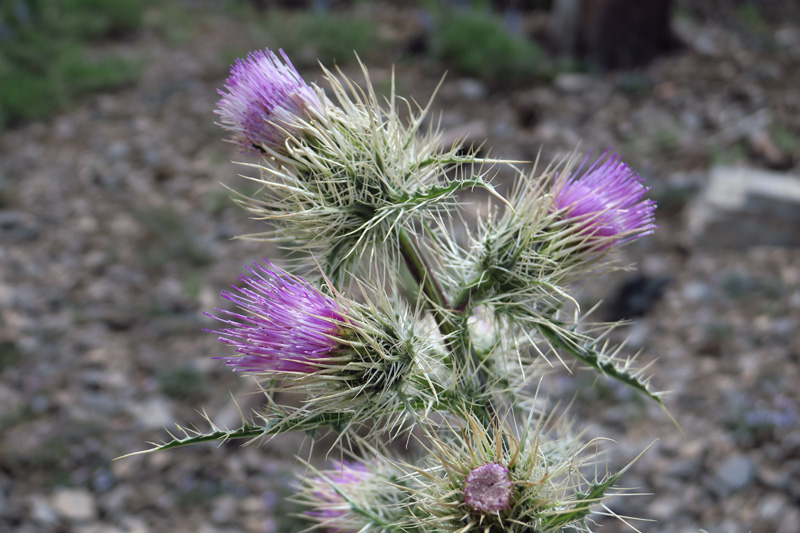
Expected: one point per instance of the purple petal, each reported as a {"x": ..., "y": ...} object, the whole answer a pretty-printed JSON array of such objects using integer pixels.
[
  {"x": 286, "y": 326},
  {"x": 607, "y": 201},
  {"x": 264, "y": 98}
]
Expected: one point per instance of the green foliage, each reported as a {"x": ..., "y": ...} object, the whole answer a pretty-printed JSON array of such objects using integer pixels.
[
  {"x": 330, "y": 38},
  {"x": 667, "y": 139},
  {"x": 9, "y": 355},
  {"x": 168, "y": 240},
  {"x": 785, "y": 139},
  {"x": 749, "y": 14},
  {"x": 45, "y": 62},
  {"x": 478, "y": 45},
  {"x": 727, "y": 155},
  {"x": 184, "y": 383},
  {"x": 101, "y": 18}
]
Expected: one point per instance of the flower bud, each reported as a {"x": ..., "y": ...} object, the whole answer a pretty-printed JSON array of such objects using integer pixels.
[{"x": 488, "y": 488}]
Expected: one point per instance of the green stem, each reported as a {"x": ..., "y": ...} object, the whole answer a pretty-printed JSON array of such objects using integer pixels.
[
  {"x": 440, "y": 307},
  {"x": 425, "y": 278},
  {"x": 474, "y": 289}
]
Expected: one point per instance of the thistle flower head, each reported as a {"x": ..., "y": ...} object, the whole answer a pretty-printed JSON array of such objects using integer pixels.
[
  {"x": 351, "y": 497},
  {"x": 496, "y": 478},
  {"x": 329, "y": 491},
  {"x": 606, "y": 202},
  {"x": 354, "y": 362},
  {"x": 265, "y": 100},
  {"x": 360, "y": 170},
  {"x": 287, "y": 325}
]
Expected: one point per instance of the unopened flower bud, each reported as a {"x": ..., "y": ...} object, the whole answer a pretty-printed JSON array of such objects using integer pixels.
[{"x": 488, "y": 488}]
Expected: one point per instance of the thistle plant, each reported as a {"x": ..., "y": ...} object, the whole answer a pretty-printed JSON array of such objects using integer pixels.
[{"x": 388, "y": 324}]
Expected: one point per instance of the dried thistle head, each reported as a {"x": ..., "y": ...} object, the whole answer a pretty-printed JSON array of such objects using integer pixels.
[{"x": 499, "y": 477}]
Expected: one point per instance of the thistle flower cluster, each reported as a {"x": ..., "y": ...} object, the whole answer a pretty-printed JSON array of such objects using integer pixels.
[{"x": 397, "y": 325}]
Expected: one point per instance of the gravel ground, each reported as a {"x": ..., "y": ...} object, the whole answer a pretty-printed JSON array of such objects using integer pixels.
[{"x": 116, "y": 235}]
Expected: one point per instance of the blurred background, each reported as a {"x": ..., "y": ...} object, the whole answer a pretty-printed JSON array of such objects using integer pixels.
[{"x": 116, "y": 235}]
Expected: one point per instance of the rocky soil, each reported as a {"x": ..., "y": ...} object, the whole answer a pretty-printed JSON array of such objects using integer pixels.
[{"x": 116, "y": 236}]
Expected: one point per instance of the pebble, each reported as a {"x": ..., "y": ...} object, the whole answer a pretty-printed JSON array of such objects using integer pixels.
[
  {"x": 75, "y": 504},
  {"x": 735, "y": 473},
  {"x": 152, "y": 413},
  {"x": 470, "y": 89},
  {"x": 574, "y": 83},
  {"x": 41, "y": 510},
  {"x": 17, "y": 227}
]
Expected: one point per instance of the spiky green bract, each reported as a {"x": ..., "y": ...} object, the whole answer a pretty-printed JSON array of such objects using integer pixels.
[
  {"x": 353, "y": 497},
  {"x": 522, "y": 265},
  {"x": 524, "y": 254},
  {"x": 353, "y": 176},
  {"x": 387, "y": 371},
  {"x": 552, "y": 476}
]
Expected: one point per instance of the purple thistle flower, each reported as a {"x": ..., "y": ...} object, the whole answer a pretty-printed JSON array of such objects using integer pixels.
[
  {"x": 607, "y": 201},
  {"x": 264, "y": 99},
  {"x": 328, "y": 493},
  {"x": 289, "y": 326},
  {"x": 488, "y": 488}
]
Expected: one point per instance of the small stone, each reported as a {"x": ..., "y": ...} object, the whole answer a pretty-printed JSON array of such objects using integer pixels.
[
  {"x": 574, "y": 83},
  {"x": 75, "y": 504},
  {"x": 42, "y": 511},
  {"x": 665, "y": 507},
  {"x": 152, "y": 414},
  {"x": 735, "y": 473},
  {"x": 696, "y": 291},
  {"x": 470, "y": 89},
  {"x": 99, "y": 528},
  {"x": 17, "y": 227},
  {"x": 223, "y": 509}
]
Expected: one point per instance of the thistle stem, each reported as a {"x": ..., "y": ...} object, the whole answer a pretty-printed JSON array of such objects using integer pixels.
[
  {"x": 474, "y": 288},
  {"x": 425, "y": 278}
]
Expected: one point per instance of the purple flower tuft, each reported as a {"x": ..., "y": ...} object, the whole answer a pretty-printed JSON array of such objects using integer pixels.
[
  {"x": 328, "y": 493},
  {"x": 488, "y": 488},
  {"x": 289, "y": 326},
  {"x": 264, "y": 98},
  {"x": 607, "y": 201}
]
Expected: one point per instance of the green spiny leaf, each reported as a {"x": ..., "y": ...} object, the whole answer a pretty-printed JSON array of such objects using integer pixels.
[
  {"x": 601, "y": 362},
  {"x": 248, "y": 430}
]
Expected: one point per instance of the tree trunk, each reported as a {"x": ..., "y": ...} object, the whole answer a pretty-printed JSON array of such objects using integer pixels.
[{"x": 612, "y": 33}]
